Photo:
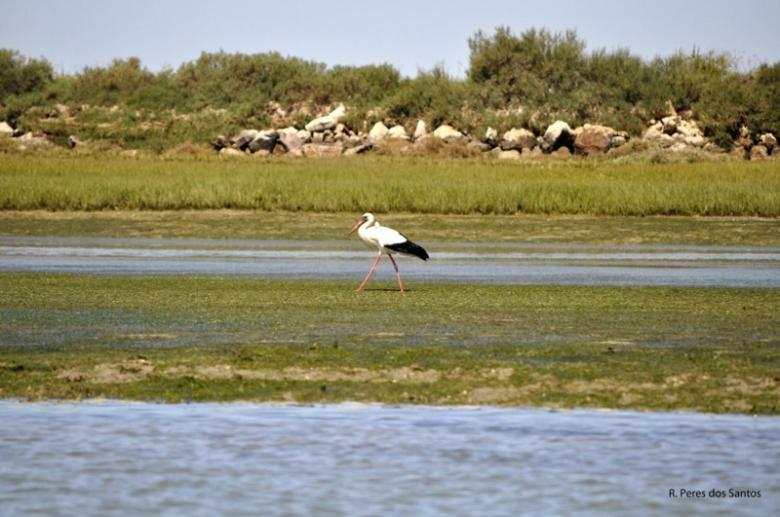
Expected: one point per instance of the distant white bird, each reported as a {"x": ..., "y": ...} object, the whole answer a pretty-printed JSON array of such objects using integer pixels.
[{"x": 387, "y": 241}]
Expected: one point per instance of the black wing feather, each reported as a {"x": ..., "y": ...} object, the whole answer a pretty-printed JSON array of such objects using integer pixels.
[{"x": 409, "y": 248}]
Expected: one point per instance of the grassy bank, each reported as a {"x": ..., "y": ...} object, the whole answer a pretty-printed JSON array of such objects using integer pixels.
[
  {"x": 391, "y": 185},
  {"x": 466, "y": 229},
  {"x": 182, "y": 339}
]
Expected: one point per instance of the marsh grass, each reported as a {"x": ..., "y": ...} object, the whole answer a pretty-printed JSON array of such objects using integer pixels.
[
  {"x": 182, "y": 339},
  {"x": 426, "y": 228},
  {"x": 384, "y": 184}
]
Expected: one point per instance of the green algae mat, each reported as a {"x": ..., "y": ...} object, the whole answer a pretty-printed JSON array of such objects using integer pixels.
[{"x": 228, "y": 339}]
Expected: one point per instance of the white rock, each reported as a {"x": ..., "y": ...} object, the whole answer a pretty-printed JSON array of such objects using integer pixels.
[
  {"x": 304, "y": 135},
  {"x": 242, "y": 140},
  {"x": 491, "y": 135},
  {"x": 617, "y": 141},
  {"x": 689, "y": 128},
  {"x": 557, "y": 132},
  {"x": 447, "y": 133},
  {"x": 695, "y": 141},
  {"x": 329, "y": 121},
  {"x": 289, "y": 137},
  {"x": 655, "y": 134},
  {"x": 518, "y": 139},
  {"x": 397, "y": 132},
  {"x": 378, "y": 132},
  {"x": 758, "y": 152},
  {"x": 768, "y": 140},
  {"x": 670, "y": 124},
  {"x": 5, "y": 129},
  {"x": 30, "y": 140},
  {"x": 420, "y": 130}
]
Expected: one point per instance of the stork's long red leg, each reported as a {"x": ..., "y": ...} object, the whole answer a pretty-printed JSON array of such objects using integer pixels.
[
  {"x": 370, "y": 272},
  {"x": 397, "y": 274}
]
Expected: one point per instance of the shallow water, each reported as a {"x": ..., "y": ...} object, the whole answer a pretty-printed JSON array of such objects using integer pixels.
[
  {"x": 114, "y": 458},
  {"x": 501, "y": 263}
]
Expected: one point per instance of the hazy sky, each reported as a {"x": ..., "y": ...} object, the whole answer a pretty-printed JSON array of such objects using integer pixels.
[{"x": 411, "y": 35}]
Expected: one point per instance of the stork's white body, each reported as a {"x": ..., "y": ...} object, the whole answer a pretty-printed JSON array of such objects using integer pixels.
[
  {"x": 386, "y": 241},
  {"x": 377, "y": 237}
]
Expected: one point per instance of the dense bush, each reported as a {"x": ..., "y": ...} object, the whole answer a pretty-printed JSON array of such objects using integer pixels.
[
  {"x": 513, "y": 80},
  {"x": 21, "y": 75}
]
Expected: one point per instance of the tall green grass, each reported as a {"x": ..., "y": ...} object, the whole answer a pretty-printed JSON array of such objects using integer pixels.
[{"x": 386, "y": 184}]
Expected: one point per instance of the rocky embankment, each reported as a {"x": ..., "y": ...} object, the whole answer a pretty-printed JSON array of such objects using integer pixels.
[{"x": 328, "y": 136}]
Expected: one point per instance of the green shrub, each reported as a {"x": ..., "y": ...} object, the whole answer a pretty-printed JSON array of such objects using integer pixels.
[
  {"x": 20, "y": 75},
  {"x": 526, "y": 80}
]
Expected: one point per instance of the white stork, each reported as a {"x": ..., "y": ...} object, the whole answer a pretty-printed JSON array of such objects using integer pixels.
[{"x": 387, "y": 241}]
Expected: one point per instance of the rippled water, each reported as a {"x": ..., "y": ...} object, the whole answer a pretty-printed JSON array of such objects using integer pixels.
[
  {"x": 115, "y": 458},
  {"x": 564, "y": 264}
]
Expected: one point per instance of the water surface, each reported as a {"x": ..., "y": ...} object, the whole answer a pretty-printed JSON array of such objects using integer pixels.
[
  {"x": 497, "y": 263},
  {"x": 114, "y": 458}
]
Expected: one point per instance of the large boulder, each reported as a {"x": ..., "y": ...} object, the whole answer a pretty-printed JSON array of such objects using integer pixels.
[
  {"x": 518, "y": 139},
  {"x": 32, "y": 140},
  {"x": 242, "y": 140},
  {"x": 290, "y": 138},
  {"x": 654, "y": 134},
  {"x": 329, "y": 121},
  {"x": 5, "y": 129},
  {"x": 322, "y": 150},
  {"x": 491, "y": 137},
  {"x": 264, "y": 141},
  {"x": 670, "y": 124},
  {"x": 595, "y": 139},
  {"x": 447, "y": 133},
  {"x": 558, "y": 135},
  {"x": 378, "y": 132},
  {"x": 689, "y": 128},
  {"x": 769, "y": 141},
  {"x": 420, "y": 130},
  {"x": 397, "y": 132},
  {"x": 676, "y": 131},
  {"x": 758, "y": 152}
]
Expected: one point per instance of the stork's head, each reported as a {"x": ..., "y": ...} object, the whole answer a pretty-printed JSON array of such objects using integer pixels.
[{"x": 368, "y": 217}]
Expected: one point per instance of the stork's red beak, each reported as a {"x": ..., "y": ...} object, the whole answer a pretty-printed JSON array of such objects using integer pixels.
[{"x": 357, "y": 225}]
